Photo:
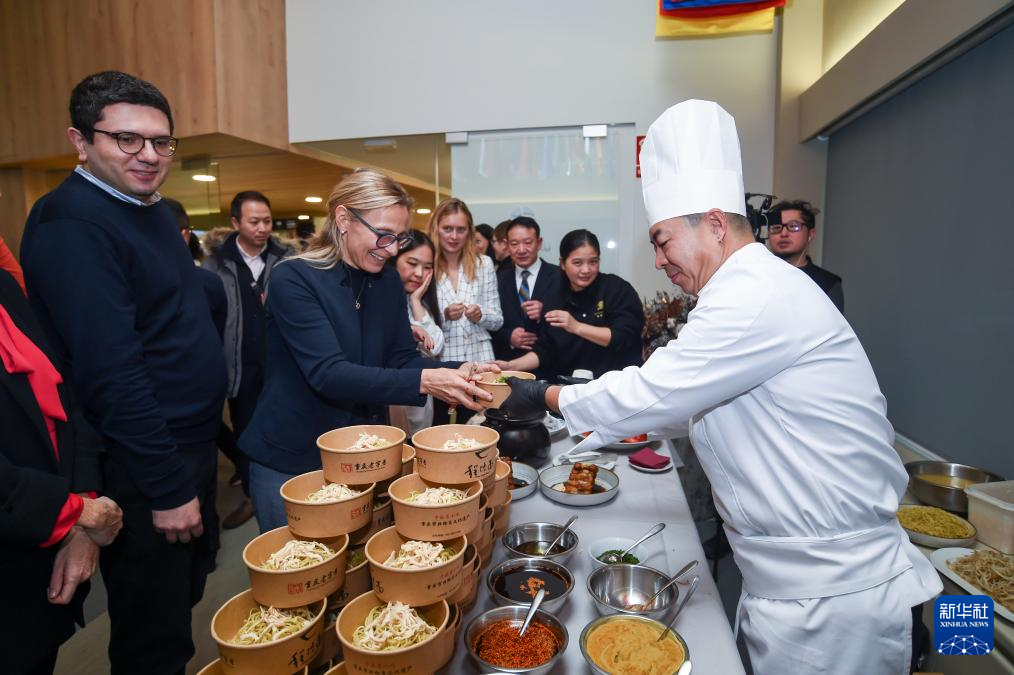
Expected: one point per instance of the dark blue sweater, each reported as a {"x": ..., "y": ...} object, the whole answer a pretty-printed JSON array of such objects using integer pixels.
[
  {"x": 330, "y": 365},
  {"x": 117, "y": 291}
]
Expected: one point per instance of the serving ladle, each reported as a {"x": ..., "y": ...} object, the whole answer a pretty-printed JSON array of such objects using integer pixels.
[
  {"x": 672, "y": 580},
  {"x": 559, "y": 538},
  {"x": 679, "y": 608},
  {"x": 613, "y": 558},
  {"x": 531, "y": 611}
]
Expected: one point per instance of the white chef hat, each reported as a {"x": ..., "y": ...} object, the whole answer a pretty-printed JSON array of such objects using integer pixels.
[{"x": 690, "y": 162}]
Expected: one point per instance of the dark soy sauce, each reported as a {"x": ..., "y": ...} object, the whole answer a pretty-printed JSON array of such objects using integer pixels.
[{"x": 521, "y": 585}]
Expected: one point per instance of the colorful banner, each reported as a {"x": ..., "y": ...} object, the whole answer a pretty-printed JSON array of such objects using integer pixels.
[
  {"x": 756, "y": 21},
  {"x": 716, "y": 9}
]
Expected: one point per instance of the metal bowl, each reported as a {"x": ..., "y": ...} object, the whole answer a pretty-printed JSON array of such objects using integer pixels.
[
  {"x": 605, "y": 619},
  {"x": 950, "y": 498},
  {"x": 515, "y": 564},
  {"x": 520, "y": 535},
  {"x": 615, "y": 587},
  {"x": 514, "y": 613}
]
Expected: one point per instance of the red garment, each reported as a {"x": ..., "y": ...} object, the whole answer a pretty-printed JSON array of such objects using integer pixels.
[
  {"x": 20, "y": 355},
  {"x": 10, "y": 263}
]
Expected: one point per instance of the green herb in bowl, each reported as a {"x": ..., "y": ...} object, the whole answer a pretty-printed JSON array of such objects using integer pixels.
[
  {"x": 628, "y": 559},
  {"x": 502, "y": 379}
]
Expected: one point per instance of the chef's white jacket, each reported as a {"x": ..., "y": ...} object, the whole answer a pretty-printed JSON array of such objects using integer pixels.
[{"x": 787, "y": 418}]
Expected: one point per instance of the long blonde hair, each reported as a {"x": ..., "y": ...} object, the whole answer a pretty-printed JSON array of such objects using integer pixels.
[
  {"x": 469, "y": 254},
  {"x": 363, "y": 190}
]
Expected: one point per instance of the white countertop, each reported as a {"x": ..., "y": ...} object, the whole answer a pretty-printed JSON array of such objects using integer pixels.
[{"x": 644, "y": 499}]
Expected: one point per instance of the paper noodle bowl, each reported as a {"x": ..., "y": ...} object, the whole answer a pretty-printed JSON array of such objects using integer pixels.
[
  {"x": 455, "y": 466},
  {"x": 338, "y": 670},
  {"x": 407, "y": 459},
  {"x": 437, "y": 522},
  {"x": 447, "y": 636},
  {"x": 476, "y": 531},
  {"x": 281, "y": 656},
  {"x": 501, "y": 517},
  {"x": 412, "y": 587},
  {"x": 357, "y": 467},
  {"x": 293, "y": 588},
  {"x": 500, "y": 390},
  {"x": 469, "y": 575},
  {"x": 496, "y": 489},
  {"x": 420, "y": 659},
  {"x": 357, "y": 582},
  {"x": 324, "y": 519}
]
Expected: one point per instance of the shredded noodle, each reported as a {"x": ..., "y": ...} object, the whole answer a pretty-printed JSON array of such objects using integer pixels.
[
  {"x": 332, "y": 492},
  {"x": 267, "y": 624},
  {"x": 459, "y": 442},
  {"x": 297, "y": 554},
  {"x": 391, "y": 626},
  {"x": 989, "y": 571},
  {"x": 418, "y": 555},
  {"x": 367, "y": 441},
  {"x": 934, "y": 522},
  {"x": 436, "y": 496}
]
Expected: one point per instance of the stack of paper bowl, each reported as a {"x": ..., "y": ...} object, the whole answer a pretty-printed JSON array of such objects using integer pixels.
[
  {"x": 357, "y": 579},
  {"x": 330, "y": 646},
  {"x": 501, "y": 518},
  {"x": 325, "y": 519},
  {"x": 407, "y": 459},
  {"x": 344, "y": 463},
  {"x": 473, "y": 534},
  {"x": 298, "y": 587},
  {"x": 339, "y": 669},
  {"x": 471, "y": 568},
  {"x": 484, "y": 544},
  {"x": 449, "y": 634},
  {"x": 281, "y": 656},
  {"x": 435, "y": 522},
  {"x": 422, "y": 658},
  {"x": 455, "y": 467},
  {"x": 413, "y": 587},
  {"x": 494, "y": 486}
]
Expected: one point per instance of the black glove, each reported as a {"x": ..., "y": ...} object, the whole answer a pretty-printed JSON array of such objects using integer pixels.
[{"x": 528, "y": 398}]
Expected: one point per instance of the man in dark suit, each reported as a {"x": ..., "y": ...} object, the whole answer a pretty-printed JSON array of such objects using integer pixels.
[{"x": 523, "y": 286}]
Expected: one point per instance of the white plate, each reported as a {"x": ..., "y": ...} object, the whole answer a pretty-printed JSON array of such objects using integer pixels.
[
  {"x": 559, "y": 474},
  {"x": 937, "y": 542},
  {"x": 525, "y": 473},
  {"x": 624, "y": 447},
  {"x": 644, "y": 469},
  {"x": 942, "y": 556}
]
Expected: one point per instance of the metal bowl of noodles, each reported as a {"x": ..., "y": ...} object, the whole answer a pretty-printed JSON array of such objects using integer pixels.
[{"x": 943, "y": 484}]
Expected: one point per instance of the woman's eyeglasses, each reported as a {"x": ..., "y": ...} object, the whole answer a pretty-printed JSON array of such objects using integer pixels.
[{"x": 384, "y": 239}]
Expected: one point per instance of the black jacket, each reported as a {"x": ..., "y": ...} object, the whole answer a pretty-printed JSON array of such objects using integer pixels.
[
  {"x": 33, "y": 488},
  {"x": 545, "y": 285},
  {"x": 829, "y": 282}
]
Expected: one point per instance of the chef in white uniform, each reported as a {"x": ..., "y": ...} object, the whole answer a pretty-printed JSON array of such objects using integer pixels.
[{"x": 784, "y": 411}]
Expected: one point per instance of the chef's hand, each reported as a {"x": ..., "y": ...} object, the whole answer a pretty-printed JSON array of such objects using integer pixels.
[
  {"x": 101, "y": 519},
  {"x": 522, "y": 339},
  {"x": 528, "y": 397},
  {"x": 473, "y": 313},
  {"x": 532, "y": 309},
  {"x": 181, "y": 524},
  {"x": 75, "y": 563},
  {"x": 559, "y": 318},
  {"x": 453, "y": 312},
  {"x": 453, "y": 387}
]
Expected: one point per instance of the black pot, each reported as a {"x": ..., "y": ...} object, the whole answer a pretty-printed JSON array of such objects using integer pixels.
[{"x": 525, "y": 440}]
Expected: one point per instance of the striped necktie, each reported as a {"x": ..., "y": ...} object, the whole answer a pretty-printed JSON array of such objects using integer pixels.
[{"x": 524, "y": 292}]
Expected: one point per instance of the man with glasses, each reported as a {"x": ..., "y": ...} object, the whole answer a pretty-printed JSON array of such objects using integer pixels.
[
  {"x": 791, "y": 229},
  {"x": 117, "y": 291}
]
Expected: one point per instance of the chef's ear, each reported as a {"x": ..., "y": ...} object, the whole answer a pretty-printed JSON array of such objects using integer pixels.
[{"x": 718, "y": 221}]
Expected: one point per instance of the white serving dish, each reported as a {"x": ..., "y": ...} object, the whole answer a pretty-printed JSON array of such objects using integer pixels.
[
  {"x": 942, "y": 556},
  {"x": 525, "y": 473},
  {"x": 930, "y": 541},
  {"x": 991, "y": 511},
  {"x": 624, "y": 447},
  {"x": 554, "y": 425},
  {"x": 559, "y": 474}
]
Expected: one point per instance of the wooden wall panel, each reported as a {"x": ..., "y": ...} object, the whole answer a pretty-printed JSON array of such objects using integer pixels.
[
  {"x": 48, "y": 46},
  {"x": 19, "y": 188}
]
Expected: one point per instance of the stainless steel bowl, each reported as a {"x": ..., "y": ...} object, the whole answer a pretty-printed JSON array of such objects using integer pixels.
[
  {"x": 950, "y": 498},
  {"x": 616, "y": 587},
  {"x": 604, "y": 619},
  {"x": 515, "y": 564},
  {"x": 514, "y": 613},
  {"x": 535, "y": 532}
]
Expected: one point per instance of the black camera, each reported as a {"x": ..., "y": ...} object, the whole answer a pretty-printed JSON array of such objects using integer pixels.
[{"x": 758, "y": 215}]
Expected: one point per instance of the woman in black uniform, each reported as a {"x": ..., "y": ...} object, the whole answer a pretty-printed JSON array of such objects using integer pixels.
[{"x": 593, "y": 321}]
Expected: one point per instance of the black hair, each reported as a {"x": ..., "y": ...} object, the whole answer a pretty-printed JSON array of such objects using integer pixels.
[
  {"x": 92, "y": 94},
  {"x": 486, "y": 231},
  {"x": 183, "y": 222},
  {"x": 525, "y": 221},
  {"x": 500, "y": 231},
  {"x": 429, "y": 299},
  {"x": 575, "y": 239},
  {"x": 236, "y": 208},
  {"x": 806, "y": 208}
]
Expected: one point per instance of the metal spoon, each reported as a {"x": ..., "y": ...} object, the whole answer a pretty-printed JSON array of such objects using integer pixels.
[
  {"x": 559, "y": 537},
  {"x": 531, "y": 610},
  {"x": 672, "y": 580},
  {"x": 685, "y": 668},
  {"x": 679, "y": 608},
  {"x": 612, "y": 558}
]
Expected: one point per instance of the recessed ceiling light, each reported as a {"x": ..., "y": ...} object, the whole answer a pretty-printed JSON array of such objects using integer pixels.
[
  {"x": 423, "y": 212},
  {"x": 610, "y": 244},
  {"x": 303, "y": 217},
  {"x": 314, "y": 200},
  {"x": 204, "y": 177}
]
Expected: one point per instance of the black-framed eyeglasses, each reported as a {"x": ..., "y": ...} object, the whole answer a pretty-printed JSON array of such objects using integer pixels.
[
  {"x": 384, "y": 239},
  {"x": 791, "y": 226},
  {"x": 132, "y": 143}
]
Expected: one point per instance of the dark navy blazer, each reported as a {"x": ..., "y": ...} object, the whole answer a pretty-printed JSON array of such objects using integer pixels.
[{"x": 330, "y": 365}]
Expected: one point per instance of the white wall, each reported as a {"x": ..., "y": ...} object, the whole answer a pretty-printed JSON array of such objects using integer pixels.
[{"x": 362, "y": 68}]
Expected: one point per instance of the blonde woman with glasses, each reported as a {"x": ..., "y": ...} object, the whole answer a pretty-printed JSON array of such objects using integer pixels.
[{"x": 339, "y": 342}]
